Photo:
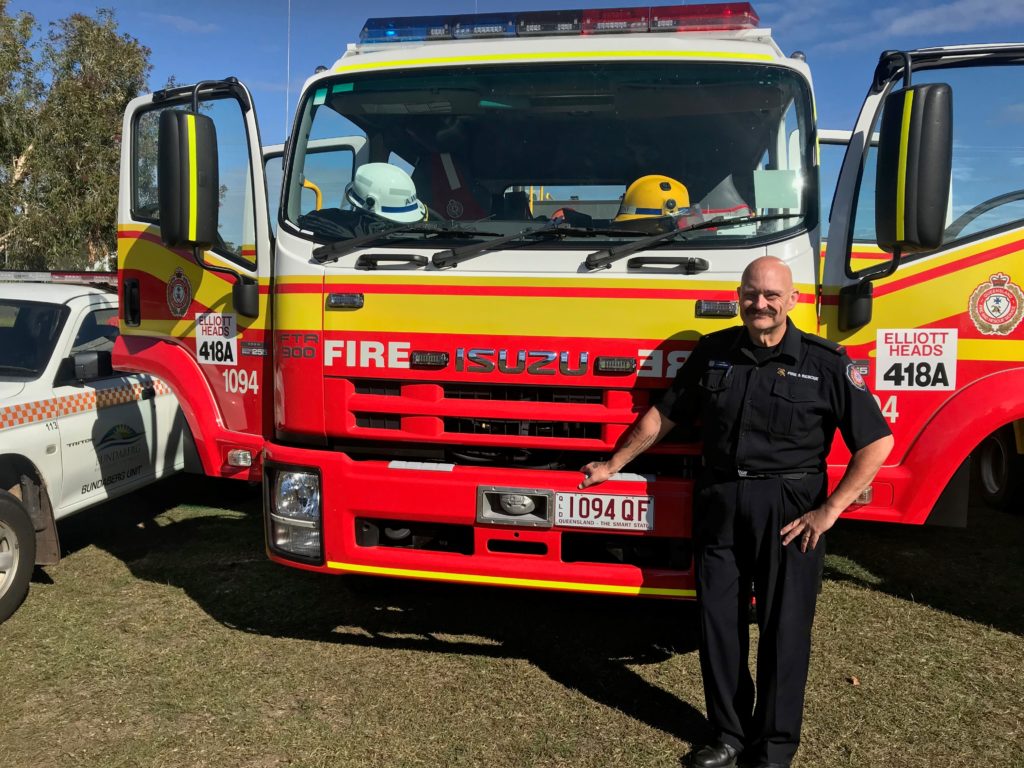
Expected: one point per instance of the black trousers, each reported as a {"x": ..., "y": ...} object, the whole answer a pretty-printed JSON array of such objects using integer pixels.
[{"x": 736, "y": 530}]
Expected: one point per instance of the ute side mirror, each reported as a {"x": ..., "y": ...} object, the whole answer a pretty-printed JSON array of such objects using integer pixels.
[
  {"x": 93, "y": 365},
  {"x": 188, "y": 180},
  {"x": 915, "y": 155}
]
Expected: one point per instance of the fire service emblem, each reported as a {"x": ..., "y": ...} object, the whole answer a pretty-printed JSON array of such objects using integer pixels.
[
  {"x": 179, "y": 293},
  {"x": 997, "y": 306}
]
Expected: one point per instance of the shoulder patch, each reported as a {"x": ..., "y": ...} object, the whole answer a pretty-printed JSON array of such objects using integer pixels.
[
  {"x": 831, "y": 346},
  {"x": 855, "y": 378}
]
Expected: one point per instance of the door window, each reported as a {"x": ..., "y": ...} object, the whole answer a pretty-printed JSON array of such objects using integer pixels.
[
  {"x": 97, "y": 332},
  {"x": 987, "y": 184},
  {"x": 235, "y": 228}
]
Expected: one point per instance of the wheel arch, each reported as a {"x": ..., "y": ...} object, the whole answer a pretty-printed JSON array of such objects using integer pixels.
[
  {"x": 20, "y": 477},
  {"x": 954, "y": 432},
  {"x": 172, "y": 363}
]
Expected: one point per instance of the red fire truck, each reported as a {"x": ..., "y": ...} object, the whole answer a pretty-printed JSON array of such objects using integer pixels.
[{"x": 497, "y": 239}]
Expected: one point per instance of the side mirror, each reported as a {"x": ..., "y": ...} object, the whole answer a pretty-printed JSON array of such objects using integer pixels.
[
  {"x": 245, "y": 295},
  {"x": 855, "y": 305},
  {"x": 92, "y": 365},
  {"x": 188, "y": 179},
  {"x": 915, "y": 159},
  {"x": 915, "y": 154}
]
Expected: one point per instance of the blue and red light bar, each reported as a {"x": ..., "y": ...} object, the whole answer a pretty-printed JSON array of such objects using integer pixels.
[{"x": 707, "y": 17}]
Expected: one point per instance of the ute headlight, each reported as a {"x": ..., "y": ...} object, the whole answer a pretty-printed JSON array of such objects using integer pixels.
[{"x": 295, "y": 514}]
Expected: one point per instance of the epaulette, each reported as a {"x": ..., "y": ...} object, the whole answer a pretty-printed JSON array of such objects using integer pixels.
[{"x": 828, "y": 344}]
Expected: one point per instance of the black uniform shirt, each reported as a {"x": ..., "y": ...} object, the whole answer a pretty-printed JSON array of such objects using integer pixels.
[{"x": 772, "y": 412}]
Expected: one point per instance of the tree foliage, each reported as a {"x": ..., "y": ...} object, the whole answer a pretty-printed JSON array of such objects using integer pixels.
[
  {"x": 20, "y": 92},
  {"x": 59, "y": 161}
]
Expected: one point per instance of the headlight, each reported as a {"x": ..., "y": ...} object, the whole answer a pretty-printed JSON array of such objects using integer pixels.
[{"x": 295, "y": 514}]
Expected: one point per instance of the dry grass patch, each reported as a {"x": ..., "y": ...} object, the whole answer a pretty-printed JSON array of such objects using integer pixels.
[{"x": 166, "y": 639}]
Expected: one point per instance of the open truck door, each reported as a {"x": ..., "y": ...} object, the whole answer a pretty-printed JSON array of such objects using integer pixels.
[
  {"x": 921, "y": 278},
  {"x": 194, "y": 255}
]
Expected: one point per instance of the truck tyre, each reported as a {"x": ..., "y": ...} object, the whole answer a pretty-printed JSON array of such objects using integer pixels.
[
  {"x": 17, "y": 553},
  {"x": 998, "y": 470}
]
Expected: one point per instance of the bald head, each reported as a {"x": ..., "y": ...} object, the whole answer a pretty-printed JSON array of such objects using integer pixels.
[
  {"x": 770, "y": 267},
  {"x": 766, "y": 296}
]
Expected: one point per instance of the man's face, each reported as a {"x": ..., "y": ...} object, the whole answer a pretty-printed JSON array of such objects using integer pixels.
[{"x": 766, "y": 297}]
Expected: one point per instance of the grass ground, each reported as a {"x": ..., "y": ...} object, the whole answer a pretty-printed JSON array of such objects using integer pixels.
[{"x": 166, "y": 639}]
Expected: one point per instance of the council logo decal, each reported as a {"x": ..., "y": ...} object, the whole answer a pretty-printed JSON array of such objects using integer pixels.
[
  {"x": 997, "y": 306},
  {"x": 179, "y": 293},
  {"x": 120, "y": 434}
]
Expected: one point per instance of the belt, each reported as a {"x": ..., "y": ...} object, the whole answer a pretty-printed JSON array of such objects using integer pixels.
[{"x": 742, "y": 474}]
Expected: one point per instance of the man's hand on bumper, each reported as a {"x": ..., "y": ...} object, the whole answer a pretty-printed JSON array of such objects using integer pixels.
[{"x": 595, "y": 473}]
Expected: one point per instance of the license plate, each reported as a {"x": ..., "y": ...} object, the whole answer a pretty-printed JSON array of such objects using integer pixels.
[{"x": 593, "y": 510}]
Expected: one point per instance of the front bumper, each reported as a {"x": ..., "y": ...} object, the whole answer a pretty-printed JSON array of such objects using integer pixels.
[{"x": 394, "y": 519}]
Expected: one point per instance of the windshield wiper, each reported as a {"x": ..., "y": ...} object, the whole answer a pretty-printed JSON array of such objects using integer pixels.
[
  {"x": 604, "y": 258},
  {"x": 16, "y": 369},
  {"x": 334, "y": 251},
  {"x": 451, "y": 257}
]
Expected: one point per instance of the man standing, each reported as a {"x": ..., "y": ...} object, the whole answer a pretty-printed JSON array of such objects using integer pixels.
[{"x": 768, "y": 398}]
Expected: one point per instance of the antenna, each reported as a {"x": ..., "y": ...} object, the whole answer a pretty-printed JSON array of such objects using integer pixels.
[{"x": 288, "y": 71}]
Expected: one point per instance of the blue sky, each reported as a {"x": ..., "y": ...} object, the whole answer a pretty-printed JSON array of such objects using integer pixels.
[{"x": 201, "y": 39}]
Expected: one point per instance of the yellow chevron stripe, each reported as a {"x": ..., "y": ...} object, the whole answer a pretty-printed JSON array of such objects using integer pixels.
[
  {"x": 694, "y": 283},
  {"x": 943, "y": 258},
  {"x": 506, "y": 581},
  {"x": 193, "y": 177},
  {"x": 551, "y": 56},
  {"x": 994, "y": 349},
  {"x": 208, "y": 288},
  {"x": 583, "y": 317},
  {"x": 639, "y": 318},
  {"x": 901, "y": 175}
]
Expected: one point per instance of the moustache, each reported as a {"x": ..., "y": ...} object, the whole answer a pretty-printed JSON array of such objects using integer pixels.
[{"x": 761, "y": 313}]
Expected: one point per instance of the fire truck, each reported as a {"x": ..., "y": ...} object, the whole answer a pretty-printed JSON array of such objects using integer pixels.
[{"x": 416, "y": 375}]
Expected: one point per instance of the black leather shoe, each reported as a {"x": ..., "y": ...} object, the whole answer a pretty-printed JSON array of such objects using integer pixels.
[
  {"x": 720, "y": 755},
  {"x": 771, "y": 765}
]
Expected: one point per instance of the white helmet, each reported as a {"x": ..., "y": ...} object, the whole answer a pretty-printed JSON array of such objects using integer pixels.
[{"x": 385, "y": 191}]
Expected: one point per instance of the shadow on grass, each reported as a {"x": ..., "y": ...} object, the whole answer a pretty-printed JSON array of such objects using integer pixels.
[
  {"x": 583, "y": 642},
  {"x": 976, "y": 573}
]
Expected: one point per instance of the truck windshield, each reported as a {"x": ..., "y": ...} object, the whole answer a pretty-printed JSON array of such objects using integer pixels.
[
  {"x": 28, "y": 332},
  {"x": 520, "y": 145}
]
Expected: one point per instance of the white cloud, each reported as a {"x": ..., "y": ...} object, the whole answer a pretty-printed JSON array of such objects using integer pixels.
[
  {"x": 958, "y": 16},
  {"x": 1012, "y": 113},
  {"x": 186, "y": 25},
  {"x": 834, "y": 25},
  {"x": 272, "y": 86}
]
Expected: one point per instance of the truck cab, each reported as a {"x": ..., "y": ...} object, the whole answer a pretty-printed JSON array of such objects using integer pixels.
[{"x": 416, "y": 371}]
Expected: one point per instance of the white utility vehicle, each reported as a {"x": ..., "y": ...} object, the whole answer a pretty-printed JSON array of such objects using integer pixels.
[{"x": 73, "y": 431}]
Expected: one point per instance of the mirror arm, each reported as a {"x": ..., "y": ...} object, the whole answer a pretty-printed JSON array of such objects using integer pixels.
[
  {"x": 881, "y": 271},
  {"x": 244, "y": 291}
]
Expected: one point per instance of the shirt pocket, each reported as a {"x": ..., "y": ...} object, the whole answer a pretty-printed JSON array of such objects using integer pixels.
[
  {"x": 714, "y": 380},
  {"x": 794, "y": 406}
]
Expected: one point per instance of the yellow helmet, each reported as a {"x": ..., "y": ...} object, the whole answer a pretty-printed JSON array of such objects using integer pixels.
[{"x": 653, "y": 196}]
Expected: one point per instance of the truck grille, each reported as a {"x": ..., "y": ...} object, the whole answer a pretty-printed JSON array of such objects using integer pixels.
[
  {"x": 522, "y": 393},
  {"x": 562, "y": 429},
  {"x": 505, "y": 392},
  {"x": 378, "y": 421},
  {"x": 501, "y": 414},
  {"x": 377, "y": 387}
]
